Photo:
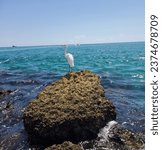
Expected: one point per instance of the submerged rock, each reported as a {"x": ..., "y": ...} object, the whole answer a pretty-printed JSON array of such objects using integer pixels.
[
  {"x": 4, "y": 92},
  {"x": 64, "y": 146},
  {"x": 72, "y": 109},
  {"x": 5, "y": 102}
]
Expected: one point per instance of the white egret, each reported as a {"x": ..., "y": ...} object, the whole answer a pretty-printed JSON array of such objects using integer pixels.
[{"x": 70, "y": 58}]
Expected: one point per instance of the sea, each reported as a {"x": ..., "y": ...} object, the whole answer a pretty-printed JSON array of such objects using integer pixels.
[{"x": 28, "y": 70}]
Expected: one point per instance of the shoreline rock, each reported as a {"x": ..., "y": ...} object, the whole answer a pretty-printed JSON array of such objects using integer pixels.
[
  {"x": 5, "y": 92},
  {"x": 64, "y": 146},
  {"x": 115, "y": 136},
  {"x": 73, "y": 108}
]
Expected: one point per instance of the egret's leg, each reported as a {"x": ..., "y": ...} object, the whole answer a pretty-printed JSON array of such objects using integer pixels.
[{"x": 69, "y": 68}]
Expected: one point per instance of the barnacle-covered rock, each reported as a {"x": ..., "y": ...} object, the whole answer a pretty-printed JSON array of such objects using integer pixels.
[{"x": 73, "y": 108}]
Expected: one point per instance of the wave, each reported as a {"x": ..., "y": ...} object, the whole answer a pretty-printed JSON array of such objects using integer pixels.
[{"x": 105, "y": 133}]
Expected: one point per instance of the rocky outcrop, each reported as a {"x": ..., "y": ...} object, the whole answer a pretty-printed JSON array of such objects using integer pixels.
[
  {"x": 72, "y": 109},
  {"x": 6, "y": 104},
  {"x": 64, "y": 146},
  {"x": 4, "y": 92},
  {"x": 115, "y": 137}
]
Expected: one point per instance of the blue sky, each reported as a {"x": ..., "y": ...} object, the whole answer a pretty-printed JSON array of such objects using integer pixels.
[{"x": 49, "y": 22}]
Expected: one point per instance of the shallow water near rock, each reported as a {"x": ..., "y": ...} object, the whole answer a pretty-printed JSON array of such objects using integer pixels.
[{"x": 27, "y": 70}]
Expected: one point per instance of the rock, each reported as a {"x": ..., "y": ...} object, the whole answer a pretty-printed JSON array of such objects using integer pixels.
[
  {"x": 72, "y": 109},
  {"x": 130, "y": 140},
  {"x": 114, "y": 136},
  {"x": 5, "y": 101},
  {"x": 64, "y": 146},
  {"x": 4, "y": 92}
]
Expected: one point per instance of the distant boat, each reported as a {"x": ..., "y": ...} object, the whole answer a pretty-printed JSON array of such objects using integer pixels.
[{"x": 14, "y": 46}]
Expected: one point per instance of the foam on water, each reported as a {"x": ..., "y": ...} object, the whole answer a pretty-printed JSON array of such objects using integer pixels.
[{"x": 105, "y": 132}]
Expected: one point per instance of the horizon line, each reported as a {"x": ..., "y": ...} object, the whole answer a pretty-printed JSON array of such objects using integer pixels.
[{"x": 69, "y": 44}]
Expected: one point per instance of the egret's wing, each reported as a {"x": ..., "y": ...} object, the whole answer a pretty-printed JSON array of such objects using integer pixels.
[{"x": 70, "y": 59}]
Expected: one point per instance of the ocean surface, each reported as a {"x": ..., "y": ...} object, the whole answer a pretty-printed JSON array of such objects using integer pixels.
[{"x": 27, "y": 70}]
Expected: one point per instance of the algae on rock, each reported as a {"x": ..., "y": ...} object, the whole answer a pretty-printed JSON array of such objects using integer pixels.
[
  {"x": 64, "y": 146},
  {"x": 73, "y": 108}
]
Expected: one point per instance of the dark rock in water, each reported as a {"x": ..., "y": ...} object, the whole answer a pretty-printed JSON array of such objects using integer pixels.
[
  {"x": 130, "y": 140},
  {"x": 8, "y": 104},
  {"x": 72, "y": 109},
  {"x": 64, "y": 146},
  {"x": 4, "y": 92},
  {"x": 115, "y": 137}
]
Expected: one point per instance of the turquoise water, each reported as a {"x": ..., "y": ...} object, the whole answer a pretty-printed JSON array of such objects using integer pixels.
[{"x": 27, "y": 70}]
